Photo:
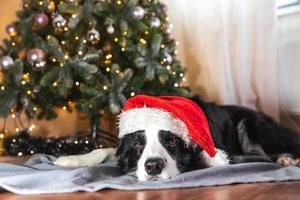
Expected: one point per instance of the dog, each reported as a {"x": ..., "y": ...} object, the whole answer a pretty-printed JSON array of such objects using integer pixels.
[{"x": 155, "y": 149}]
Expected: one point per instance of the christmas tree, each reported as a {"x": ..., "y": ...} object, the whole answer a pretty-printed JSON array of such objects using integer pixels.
[{"x": 93, "y": 53}]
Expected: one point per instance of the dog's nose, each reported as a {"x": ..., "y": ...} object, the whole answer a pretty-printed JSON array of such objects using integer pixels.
[{"x": 154, "y": 166}]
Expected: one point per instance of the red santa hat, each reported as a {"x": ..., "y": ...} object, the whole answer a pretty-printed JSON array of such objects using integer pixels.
[{"x": 179, "y": 115}]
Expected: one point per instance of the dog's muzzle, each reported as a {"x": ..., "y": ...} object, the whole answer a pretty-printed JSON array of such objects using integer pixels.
[{"x": 154, "y": 166}]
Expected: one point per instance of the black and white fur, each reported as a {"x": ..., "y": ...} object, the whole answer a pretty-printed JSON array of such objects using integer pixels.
[{"x": 154, "y": 152}]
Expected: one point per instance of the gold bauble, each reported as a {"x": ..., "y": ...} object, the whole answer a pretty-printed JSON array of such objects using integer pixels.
[{"x": 51, "y": 6}]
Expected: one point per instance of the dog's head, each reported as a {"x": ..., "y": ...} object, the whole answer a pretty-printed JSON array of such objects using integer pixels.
[
  {"x": 156, "y": 154},
  {"x": 151, "y": 145},
  {"x": 164, "y": 138}
]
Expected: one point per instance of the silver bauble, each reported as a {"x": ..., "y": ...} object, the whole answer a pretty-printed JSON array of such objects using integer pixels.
[
  {"x": 169, "y": 29},
  {"x": 93, "y": 36},
  {"x": 110, "y": 29},
  {"x": 168, "y": 58},
  {"x": 59, "y": 23},
  {"x": 155, "y": 22},
  {"x": 138, "y": 12},
  {"x": 6, "y": 62}
]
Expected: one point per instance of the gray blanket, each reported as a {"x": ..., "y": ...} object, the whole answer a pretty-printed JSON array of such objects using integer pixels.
[{"x": 39, "y": 175}]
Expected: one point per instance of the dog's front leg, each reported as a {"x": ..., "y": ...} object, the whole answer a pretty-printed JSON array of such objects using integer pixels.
[{"x": 89, "y": 159}]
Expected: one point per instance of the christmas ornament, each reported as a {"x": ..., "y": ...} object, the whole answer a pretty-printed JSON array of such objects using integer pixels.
[
  {"x": 93, "y": 36},
  {"x": 180, "y": 115},
  {"x": 155, "y": 22},
  {"x": 164, "y": 8},
  {"x": 51, "y": 6},
  {"x": 106, "y": 46},
  {"x": 41, "y": 20},
  {"x": 59, "y": 23},
  {"x": 36, "y": 58},
  {"x": 169, "y": 29},
  {"x": 110, "y": 29},
  {"x": 168, "y": 58},
  {"x": 36, "y": 89},
  {"x": 11, "y": 30},
  {"x": 6, "y": 62},
  {"x": 138, "y": 12}
]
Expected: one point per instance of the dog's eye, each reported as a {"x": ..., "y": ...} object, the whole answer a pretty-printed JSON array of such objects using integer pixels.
[
  {"x": 173, "y": 141},
  {"x": 138, "y": 145}
]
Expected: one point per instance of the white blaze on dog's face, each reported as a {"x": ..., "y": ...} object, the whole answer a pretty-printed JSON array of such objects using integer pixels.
[
  {"x": 156, "y": 156},
  {"x": 153, "y": 145}
]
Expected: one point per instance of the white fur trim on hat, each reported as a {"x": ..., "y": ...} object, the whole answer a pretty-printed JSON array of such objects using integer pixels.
[
  {"x": 220, "y": 159},
  {"x": 146, "y": 118}
]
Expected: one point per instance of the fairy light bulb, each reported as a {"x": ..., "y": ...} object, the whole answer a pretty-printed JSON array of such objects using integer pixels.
[{"x": 104, "y": 87}]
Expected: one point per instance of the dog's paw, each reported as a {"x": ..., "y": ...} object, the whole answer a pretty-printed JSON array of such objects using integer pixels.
[
  {"x": 287, "y": 160},
  {"x": 69, "y": 161}
]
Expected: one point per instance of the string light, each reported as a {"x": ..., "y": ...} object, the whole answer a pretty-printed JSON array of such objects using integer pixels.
[
  {"x": 2, "y": 88},
  {"x": 167, "y": 19},
  {"x": 117, "y": 71},
  {"x": 64, "y": 107},
  {"x": 61, "y": 64},
  {"x": 77, "y": 83},
  {"x": 176, "y": 85},
  {"x": 63, "y": 42},
  {"x": 31, "y": 127},
  {"x": 80, "y": 52},
  {"x": 41, "y": 3},
  {"x": 66, "y": 56},
  {"x": 17, "y": 130},
  {"x": 146, "y": 32},
  {"x": 177, "y": 43},
  {"x": 76, "y": 38},
  {"x": 183, "y": 79},
  {"x": 119, "y": 2},
  {"x": 124, "y": 33},
  {"x": 23, "y": 82},
  {"x": 174, "y": 73},
  {"x": 74, "y": 16},
  {"x": 55, "y": 84},
  {"x": 13, "y": 44},
  {"x": 108, "y": 56},
  {"x": 176, "y": 51},
  {"x": 66, "y": 28},
  {"x": 123, "y": 49},
  {"x": 29, "y": 92},
  {"x": 107, "y": 69},
  {"x": 84, "y": 41},
  {"x": 116, "y": 39},
  {"x": 168, "y": 67},
  {"x": 143, "y": 41},
  {"x": 35, "y": 109},
  {"x": 132, "y": 94},
  {"x": 162, "y": 46},
  {"x": 54, "y": 60},
  {"x": 104, "y": 87},
  {"x": 13, "y": 116},
  {"x": 20, "y": 154},
  {"x": 181, "y": 74}
]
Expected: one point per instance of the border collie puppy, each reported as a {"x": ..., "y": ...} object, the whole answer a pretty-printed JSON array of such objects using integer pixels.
[{"x": 161, "y": 137}]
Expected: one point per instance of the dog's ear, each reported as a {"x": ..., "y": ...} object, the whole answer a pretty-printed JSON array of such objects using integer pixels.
[{"x": 122, "y": 155}]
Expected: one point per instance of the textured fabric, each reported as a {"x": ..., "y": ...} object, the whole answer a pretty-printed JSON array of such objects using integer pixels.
[
  {"x": 182, "y": 108},
  {"x": 39, "y": 176}
]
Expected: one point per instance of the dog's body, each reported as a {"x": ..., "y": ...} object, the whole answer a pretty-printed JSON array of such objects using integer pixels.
[{"x": 239, "y": 134}]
